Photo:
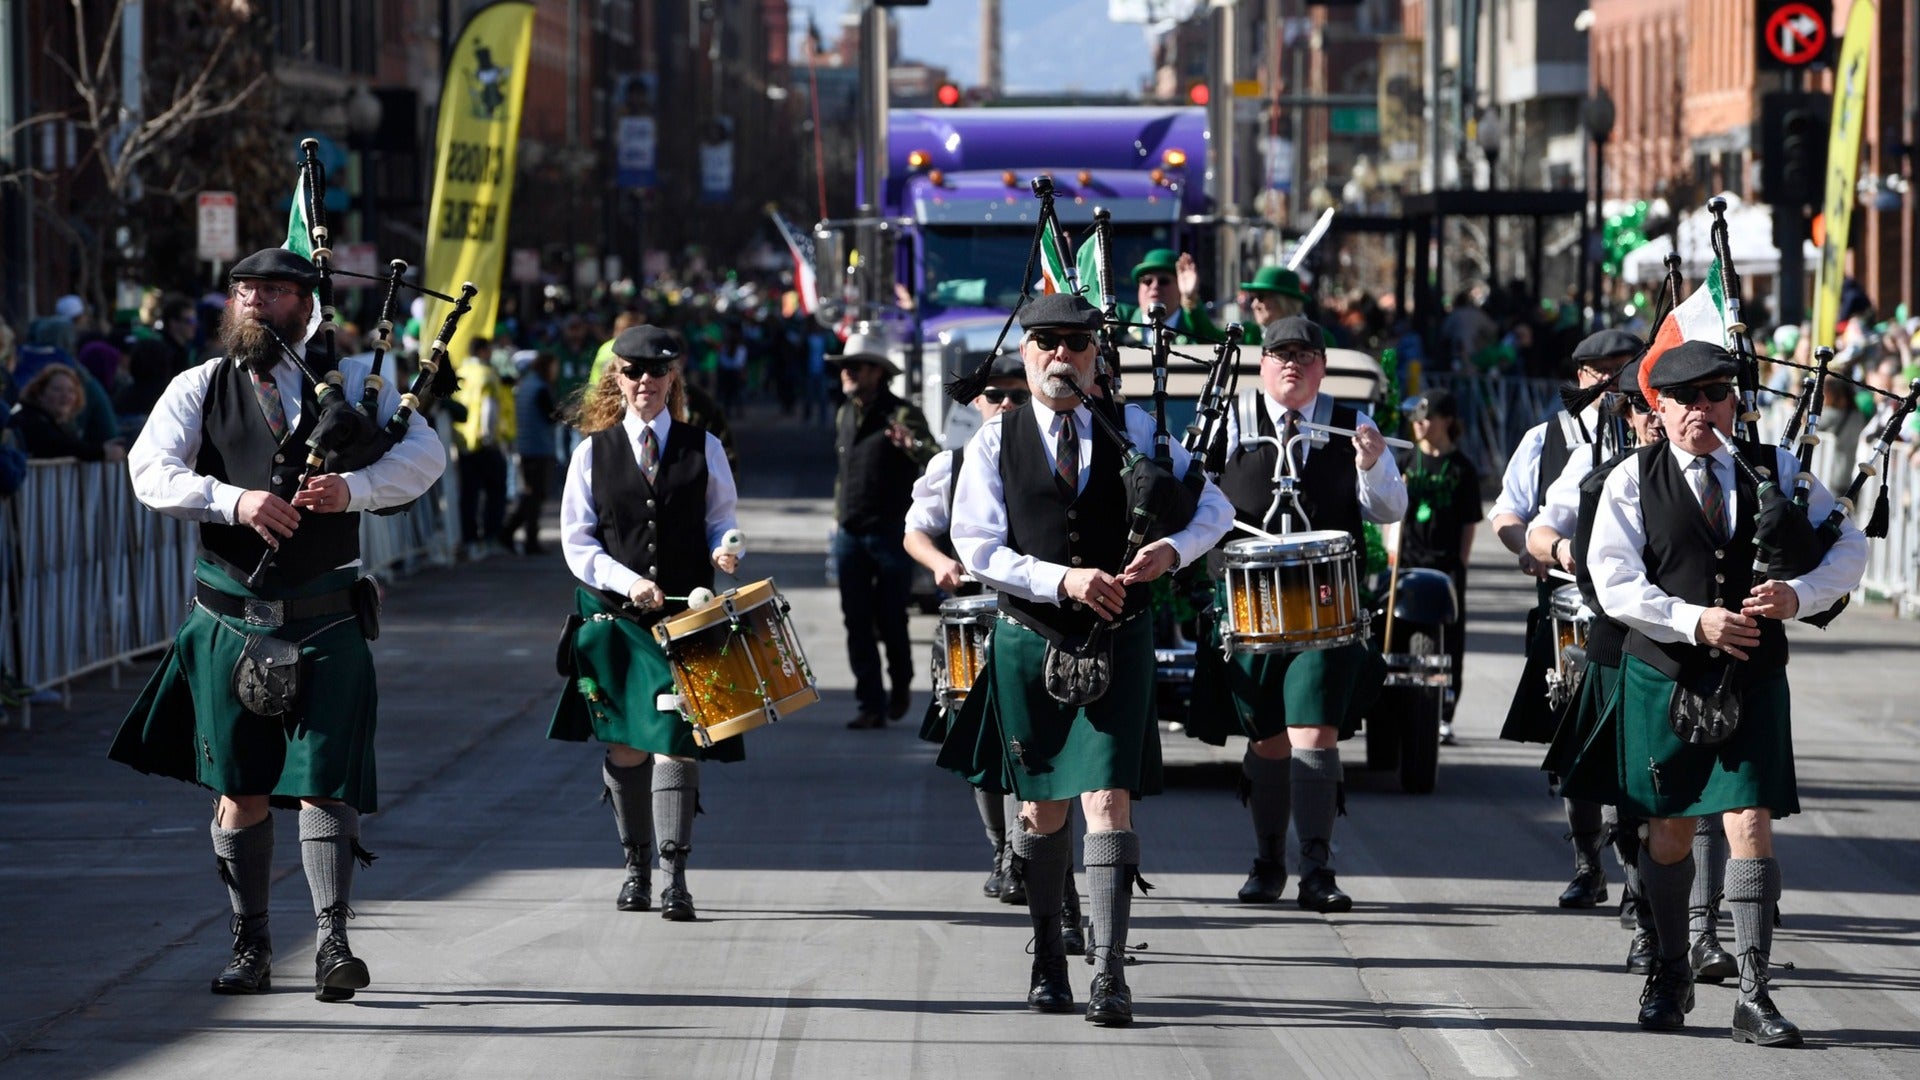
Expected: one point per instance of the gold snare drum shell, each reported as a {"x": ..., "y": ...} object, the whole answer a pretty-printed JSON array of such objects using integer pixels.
[{"x": 1293, "y": 593}]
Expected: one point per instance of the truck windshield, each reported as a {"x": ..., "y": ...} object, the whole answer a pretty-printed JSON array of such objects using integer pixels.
[{"x": 978, "y": 266}]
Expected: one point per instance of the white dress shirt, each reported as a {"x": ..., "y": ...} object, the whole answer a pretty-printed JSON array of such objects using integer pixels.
[
  {"x": 1619, "y": 537},
  {"x": 928, "y": 514},
  {"x": 585, "y": 556},
  {"x": 163, "y": 457},
  {"x": 1381, "y": 489},
  {"x": 979, "y": 526}
]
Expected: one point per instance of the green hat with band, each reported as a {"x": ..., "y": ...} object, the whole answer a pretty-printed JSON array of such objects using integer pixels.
[{"x": 1276, "y": 279}]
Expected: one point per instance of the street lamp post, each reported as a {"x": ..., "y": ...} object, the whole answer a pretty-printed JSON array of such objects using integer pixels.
[
  {"x": 1598, "y": 116},
  {"x": 1491, "y": 131}
]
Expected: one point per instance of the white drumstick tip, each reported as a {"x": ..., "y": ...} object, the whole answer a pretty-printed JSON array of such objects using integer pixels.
[
  {"x": 733, "y": 542},
  {"x": 699, "y": 597}
]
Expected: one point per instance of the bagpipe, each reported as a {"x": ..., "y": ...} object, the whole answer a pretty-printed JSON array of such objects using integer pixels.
[{"x": 349, "y": 435}]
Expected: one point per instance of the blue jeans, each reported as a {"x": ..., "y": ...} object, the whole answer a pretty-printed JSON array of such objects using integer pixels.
[{"x": 875, "y": 575}]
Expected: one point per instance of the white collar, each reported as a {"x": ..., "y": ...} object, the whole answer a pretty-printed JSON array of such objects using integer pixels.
[{"x": 634, "y": 425}]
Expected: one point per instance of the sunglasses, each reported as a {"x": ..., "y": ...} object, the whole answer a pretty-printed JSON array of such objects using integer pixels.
[
  {"x": 1160, "y": 280},
  {"x": 656, "y": 368},
  {"x": 995, "y": 395},
  {"x": 1049, "y": 342},
  {"x": 1687, "y": 395}
]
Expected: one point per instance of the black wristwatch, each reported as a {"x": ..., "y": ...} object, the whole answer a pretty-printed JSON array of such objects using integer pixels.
[{"x": 1554, "y": 551}]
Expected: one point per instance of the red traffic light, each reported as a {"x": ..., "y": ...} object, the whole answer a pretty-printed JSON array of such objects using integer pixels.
[
  {"x": 1198, "y": 93},
  {"x": 948, "y": 95}
]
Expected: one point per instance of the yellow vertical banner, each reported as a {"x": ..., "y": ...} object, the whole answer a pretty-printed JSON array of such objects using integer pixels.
[
  {"x": 1843, "y": 166},
  {"x": 479, "y": 131}
]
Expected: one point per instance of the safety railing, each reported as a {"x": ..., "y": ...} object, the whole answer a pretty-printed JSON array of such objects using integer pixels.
[
  {"x": 1893, "y": 564},
  {"x": 89, "y": 578},
  {"x": 1495, "y": 411}
]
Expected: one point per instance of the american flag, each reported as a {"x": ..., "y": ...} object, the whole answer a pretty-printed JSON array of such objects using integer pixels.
[{"x": 800, "y": 245}]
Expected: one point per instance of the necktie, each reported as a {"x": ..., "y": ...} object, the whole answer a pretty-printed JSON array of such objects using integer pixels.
[
  {"x": 1067, "y": 457},
  {"x": 1295, "y": 453},
  {"x": 1713, "y": 499},
  {"x": 271, "y": 406},
  {"x": 649, "y": 453}
]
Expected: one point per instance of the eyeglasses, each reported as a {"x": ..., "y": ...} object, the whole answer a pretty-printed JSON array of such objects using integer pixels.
[
  {"x": 1296, "y": 357},
  {"x": 1639, "y": 404},
  {"x": 271, "y": 292},
  {"x": 995, "y": 395},
  {"x": 656, "y": 368},
  {"x": 1158, "y": 280},
  {"x": 1713, "y": 392},
  {"x": 1049, "y": 342}
]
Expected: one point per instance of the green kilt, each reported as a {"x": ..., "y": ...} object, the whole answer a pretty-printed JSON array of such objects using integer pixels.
[
  {"x": 1530, "y": 718},
  {"x": 1579, "y": 750},
  {"x": 188, "y": 724},
  {"x": 1262, "y": 695},
  {"x": 1010, "y": 736},
  {"x": 1754, "y": 767},
  {"x": 618, "y": 672}
]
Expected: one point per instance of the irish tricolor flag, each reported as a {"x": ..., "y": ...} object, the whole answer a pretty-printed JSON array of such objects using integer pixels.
[
  {"x": 300, "y": 242},
  {"x": 1700, "y": 317},
  {"x": 1053, "y": 268}
]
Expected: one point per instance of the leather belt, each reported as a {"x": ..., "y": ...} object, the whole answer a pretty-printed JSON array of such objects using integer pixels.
[{"x": 272, "y": 613}]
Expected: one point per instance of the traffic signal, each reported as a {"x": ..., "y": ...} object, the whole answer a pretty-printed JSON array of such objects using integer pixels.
[
  {"x": 1793, "y": 147},
  {"x": 1198, "y": 93},
  {"x": 948, "y": 95}
]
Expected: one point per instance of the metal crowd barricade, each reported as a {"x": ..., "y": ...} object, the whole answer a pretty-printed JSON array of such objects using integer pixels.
[
  {"x": 91, "y": 578},
  {"x": 1893, "y": 564},
  {"x": 1495, "y": 411}
]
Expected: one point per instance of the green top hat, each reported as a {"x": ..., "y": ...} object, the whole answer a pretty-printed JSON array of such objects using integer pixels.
[
  {"x": 1276, "y": 279},
  {"x": 1160, "y": 259}
]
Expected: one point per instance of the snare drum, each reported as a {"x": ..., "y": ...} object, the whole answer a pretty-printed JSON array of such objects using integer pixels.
[
  {"x": 965, "y": 623},
  {"x": 1571, "y": 618},
  {"x": 1293, "y": 593},
  {"x": 736, "y": 663}
]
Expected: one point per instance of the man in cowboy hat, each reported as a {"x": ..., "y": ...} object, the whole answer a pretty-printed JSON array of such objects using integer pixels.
[
  {"x": 221, "y": 448},
  {"x": 1674, "y": 539},
  {"x": 882, "y": 444}
]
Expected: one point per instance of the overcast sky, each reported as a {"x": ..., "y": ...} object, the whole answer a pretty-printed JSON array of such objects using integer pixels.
[{"x": 1057, "y": 45}]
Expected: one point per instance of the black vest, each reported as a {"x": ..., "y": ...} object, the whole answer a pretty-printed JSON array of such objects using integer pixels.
[
  {"x": 237, "y": 447},
  {"x": 1327, "y": 482},
  {"x": 945, "y": 540},
  {"x": 658, "y": 530},
  {"x": 1087, "y": 531},
  {"x": 1555, "y": 452},
  {"x": 1683, "y": 559},
  {"x": 876, "y": 477},
  {"x": 1606, "y": 637}
]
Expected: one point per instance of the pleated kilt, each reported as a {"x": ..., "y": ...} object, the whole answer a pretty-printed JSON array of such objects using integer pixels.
[
  {"x": 1634, "y": 760},
  {"x": 188, "y": 724},
  {"x": 1010, "y": 736},
  {"x": 1530, "y": 718},
  {"x": 619, "y": 672}
]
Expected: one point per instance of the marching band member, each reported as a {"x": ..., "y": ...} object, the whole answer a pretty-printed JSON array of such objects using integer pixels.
[
  {"x": 647, "y": 502},
  {"x": 1041, "y": 515},
  {"x": 1674, "y": 537},
  {"x": 1540, "y": 457},
  {"x": 1290, "y": 706},
  {"x": 217, "y": 447}
]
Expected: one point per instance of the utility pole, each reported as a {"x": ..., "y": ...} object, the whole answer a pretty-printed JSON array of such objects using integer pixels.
[
  {"x": 16, "y": 200},
  {"x": 990, "y": 78},
  {"x": 1223, "y": 158},
  {"x": 874, "y": 65}
]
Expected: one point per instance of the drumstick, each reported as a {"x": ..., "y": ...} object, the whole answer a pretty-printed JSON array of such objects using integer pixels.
[
  {"x": 696, "y": 598},
  {"x": 1260, "y": 533},
  {"x": 1308, "y": 425},
  {"x": 1556, "y": 572}
]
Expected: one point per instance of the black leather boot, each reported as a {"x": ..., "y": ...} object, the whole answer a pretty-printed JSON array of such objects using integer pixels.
[
  {"x": 1640, "y": 952},
  {"x": 1710, "y": 962},
  {"x": 1587, "y": 889},
  {"x": 337, "y": 973},
  {"x": 1755, "y": 1018},
  {"x": 1013, "y": 889},
  {"x": 636, "y": 893},
  {"x": 1319, "y": 892},
  {"x": 1667, "y": 997},
  {"x": 250, "y": 969},
  {"x": 997, "y": 876},
  {"x": 1265, "y": 882},
  {"x": 1049, "y": 991},
  {"x": 1110, "y": 1004},
  {"x": 676, "y": 903}
]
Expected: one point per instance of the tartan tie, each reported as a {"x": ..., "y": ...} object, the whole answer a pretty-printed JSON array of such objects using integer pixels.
[
  {"x": 271, "y": 406},
  {"x": 1713, "y": 499},
  {"x": 649, "y": 453},
  {"x": 1067, "y": 457},
  {"x": 1294, "y": 452}
]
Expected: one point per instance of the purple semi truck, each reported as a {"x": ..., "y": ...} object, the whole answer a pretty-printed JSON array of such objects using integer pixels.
[{"x": 958, "y": 218}]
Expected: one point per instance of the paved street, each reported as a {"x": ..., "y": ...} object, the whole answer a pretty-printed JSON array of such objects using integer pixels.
[{"x": 837, "y": 874}]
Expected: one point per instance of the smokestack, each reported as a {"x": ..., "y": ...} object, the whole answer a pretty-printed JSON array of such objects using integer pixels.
[{"x": 990, "y": 47}]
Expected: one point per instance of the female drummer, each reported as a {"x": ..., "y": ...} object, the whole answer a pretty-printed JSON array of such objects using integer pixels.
[
  {"x": 647, "y": 503},
  {"x": 1443, "y": 494}
]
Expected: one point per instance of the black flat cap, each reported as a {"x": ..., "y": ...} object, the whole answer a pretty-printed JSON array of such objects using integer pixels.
[
  {"x": 1606, "y": 345},
  {"x": 1691, "y": 361},
  {"x": 276, "y": 264},
  {"x": 647, "y": 343},
  {"x": 1629, "y": 382},
  {"x": 1059, "y": 309},
  {"x": 1293, "y": 330},
  {"x": 1007, "y": 365},
  {"x": 1436, "y": 402}
]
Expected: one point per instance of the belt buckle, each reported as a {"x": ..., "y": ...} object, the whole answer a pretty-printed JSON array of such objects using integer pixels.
[{"x": 268, "y": 613}]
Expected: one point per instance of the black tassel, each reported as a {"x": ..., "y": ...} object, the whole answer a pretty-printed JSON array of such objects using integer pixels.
[
  {"x": 1144, "y": 886},
  {"x": 1877, "y": 522},
  {"x": 964, "y": 388},
  {"x": 697, "y": 808},
  {"x": 1340, "y": 799},
  {"x": 1576, "y": 398},
  {"x": 361, "y": 855},
  {"x": 1245, "y": 788},
  {"x": 226, "y": 872}
]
